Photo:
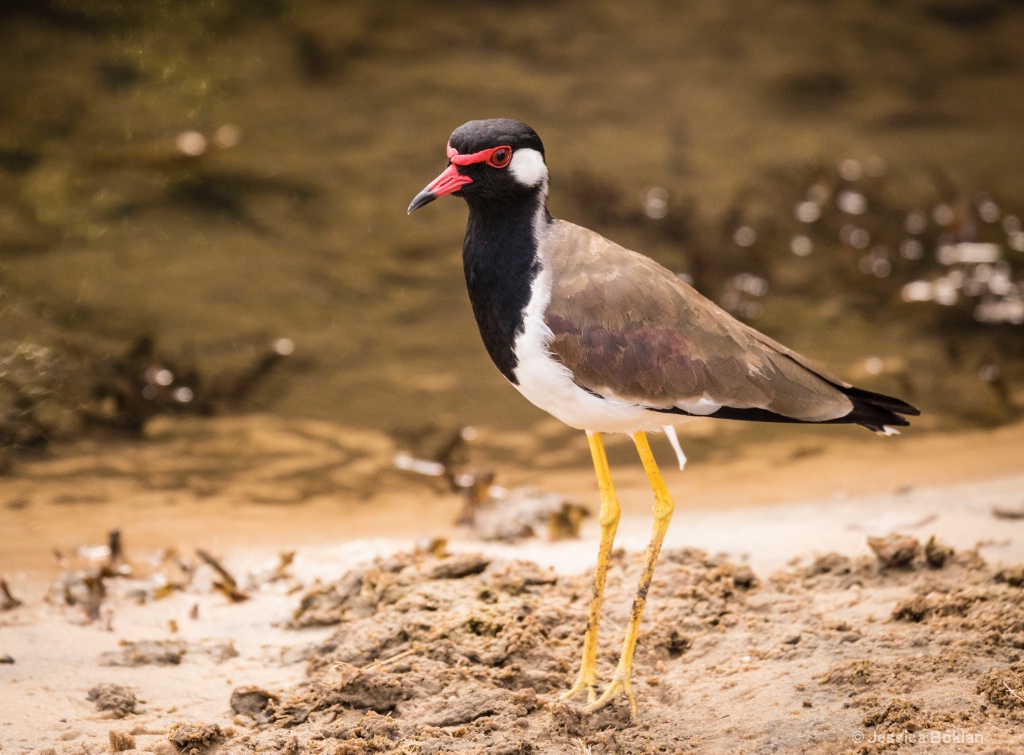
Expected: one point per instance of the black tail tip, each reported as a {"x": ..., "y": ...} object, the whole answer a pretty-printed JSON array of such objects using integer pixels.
[{"x": 880, "y": 413}]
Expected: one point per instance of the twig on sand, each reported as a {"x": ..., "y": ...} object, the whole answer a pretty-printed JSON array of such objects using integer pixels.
[
  {"x": 227, "y": 584},
  {"x": 1011, "y": 691},
  {"x": 397, "y": 656},
  {"x": 7, "y": 601}
]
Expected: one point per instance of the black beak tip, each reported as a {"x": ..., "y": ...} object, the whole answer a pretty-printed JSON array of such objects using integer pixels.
[{"x": 424, "y": 197}]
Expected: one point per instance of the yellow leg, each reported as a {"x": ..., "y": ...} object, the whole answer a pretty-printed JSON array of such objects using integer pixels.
[
  {"x": 663, "y": 507},
  {"x": 609, "y": 519}
]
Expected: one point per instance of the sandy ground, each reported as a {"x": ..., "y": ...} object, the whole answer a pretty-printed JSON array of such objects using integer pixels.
[{"x": 772, "y": 626}]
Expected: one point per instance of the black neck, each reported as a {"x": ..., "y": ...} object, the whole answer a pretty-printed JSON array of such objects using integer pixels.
[{"x": 499, "y": 257}]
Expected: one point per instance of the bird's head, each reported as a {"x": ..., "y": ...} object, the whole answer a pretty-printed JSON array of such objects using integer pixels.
[{"x": 496, "y": 160}]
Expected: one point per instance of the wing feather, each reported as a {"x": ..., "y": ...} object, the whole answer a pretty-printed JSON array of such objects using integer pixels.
[{"x": 630, "y": 329}]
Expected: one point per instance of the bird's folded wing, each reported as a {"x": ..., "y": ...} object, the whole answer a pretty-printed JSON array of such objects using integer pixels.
[{"x": 628, "y": 328}]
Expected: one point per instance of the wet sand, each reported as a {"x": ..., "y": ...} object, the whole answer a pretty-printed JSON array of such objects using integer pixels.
[{"x": 771, "y": 624}]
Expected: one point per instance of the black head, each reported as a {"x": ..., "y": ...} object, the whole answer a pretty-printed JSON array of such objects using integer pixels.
[{"x": 494, "y": 160}]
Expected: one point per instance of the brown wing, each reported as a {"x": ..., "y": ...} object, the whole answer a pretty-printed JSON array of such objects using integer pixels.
[{"x": 629, "y": 328}]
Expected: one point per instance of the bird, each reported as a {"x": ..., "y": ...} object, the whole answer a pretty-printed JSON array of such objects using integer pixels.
[{"x": 609, "y": 341}]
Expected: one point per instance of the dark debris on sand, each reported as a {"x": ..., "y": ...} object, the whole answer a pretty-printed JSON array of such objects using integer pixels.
[{"x": 63, "y": 392}]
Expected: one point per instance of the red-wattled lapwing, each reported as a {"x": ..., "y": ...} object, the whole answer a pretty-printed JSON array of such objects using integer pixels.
[{"x": 607, "y": 340}]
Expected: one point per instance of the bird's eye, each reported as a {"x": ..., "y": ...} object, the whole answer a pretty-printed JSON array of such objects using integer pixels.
[{"x": 500, "y": 157}]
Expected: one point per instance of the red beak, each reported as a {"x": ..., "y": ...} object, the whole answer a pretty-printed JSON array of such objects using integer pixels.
[{"x": 448, "y": 182}]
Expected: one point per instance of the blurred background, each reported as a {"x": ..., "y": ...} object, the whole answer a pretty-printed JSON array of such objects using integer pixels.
[{"x": 202, "y": 205}]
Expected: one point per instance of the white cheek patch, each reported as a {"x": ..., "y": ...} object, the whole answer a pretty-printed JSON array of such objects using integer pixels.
[{"x": 528, "y": 167}]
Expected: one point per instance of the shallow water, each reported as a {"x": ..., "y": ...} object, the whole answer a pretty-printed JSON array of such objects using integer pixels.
[{"x": 219, "y": 176}]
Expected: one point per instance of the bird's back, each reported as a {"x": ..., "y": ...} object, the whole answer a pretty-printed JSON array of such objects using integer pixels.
[{"x": 627, "y": 328}]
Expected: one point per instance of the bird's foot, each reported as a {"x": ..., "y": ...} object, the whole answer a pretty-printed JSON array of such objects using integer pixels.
[
  {"x": 620, "y": 684},
  {"x": 583, "y": 682}
]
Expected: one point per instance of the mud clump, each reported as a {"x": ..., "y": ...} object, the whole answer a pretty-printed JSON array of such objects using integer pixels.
[
  {"x": 1013, "y": 576},
  {"x": 120, "y": 741},
  {"x": 1004, "y": 689},
  {"x": 372, "y": 733},
  {"x": 117, "y": 700},
  {"x": 253, "y": 702},
  {"x": 937, "y": 554},
  {"x": 165, "y": 652},
  {"x": 144, "y": 653},
  {"x": 195, "y": 739},
  {"x": 894, "y": 551}
]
